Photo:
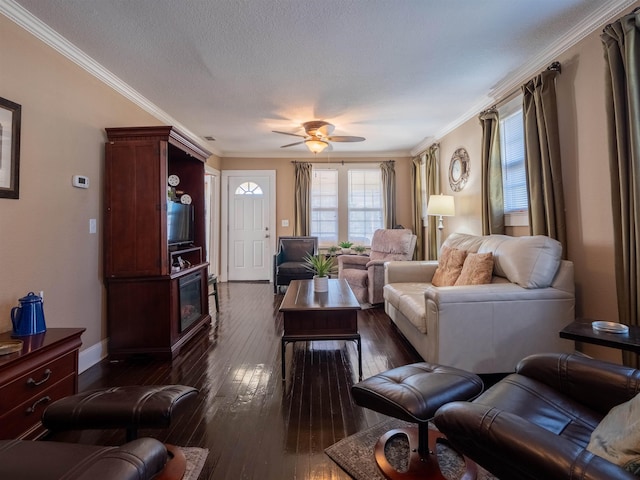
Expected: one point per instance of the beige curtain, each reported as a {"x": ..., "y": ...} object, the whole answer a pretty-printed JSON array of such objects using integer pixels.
[
  {"x": 542, "y": 157},
  {"x": 416, "y": 206},
  {"x": 621, "y": 41},
  {"x": 432, "y": 176},
  {"x": 302, "y": 199},
  {"x": 492, "y": 194},
  {"x": 388, "y": 193}
]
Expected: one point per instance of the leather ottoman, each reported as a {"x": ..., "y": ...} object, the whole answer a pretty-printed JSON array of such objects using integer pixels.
[
  {"x": 130, "y": 407},
  {"x": 413, "y": 393}
]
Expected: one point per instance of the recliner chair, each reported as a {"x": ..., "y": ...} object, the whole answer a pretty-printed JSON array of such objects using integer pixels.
[
  {"x": 365, "y": 275},
  {"x": 536, "y": 423}
]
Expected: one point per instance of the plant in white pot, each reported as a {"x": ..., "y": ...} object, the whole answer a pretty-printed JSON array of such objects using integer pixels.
[
  {"x": 346, "y": 246},
  {"x": 359, "y": 249},
  {"x": 322, "y": 266}
]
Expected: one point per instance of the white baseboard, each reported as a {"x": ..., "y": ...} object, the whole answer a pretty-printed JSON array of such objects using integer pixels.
[{"x": 92, "y": 355}]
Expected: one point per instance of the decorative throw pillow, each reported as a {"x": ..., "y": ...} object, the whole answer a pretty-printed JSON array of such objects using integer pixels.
[
  {"x": 477, "y": 269},
  {"x": 449, "y": 267},
  {"x": 617, "y": 436}
]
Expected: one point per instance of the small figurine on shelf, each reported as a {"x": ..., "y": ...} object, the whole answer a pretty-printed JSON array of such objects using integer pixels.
[{"x": 175, "y": 266}]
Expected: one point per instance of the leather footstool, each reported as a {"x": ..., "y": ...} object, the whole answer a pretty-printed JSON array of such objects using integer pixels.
[
  {"x": 131, "y": 407},
  {"x": 413, "y": 393}
]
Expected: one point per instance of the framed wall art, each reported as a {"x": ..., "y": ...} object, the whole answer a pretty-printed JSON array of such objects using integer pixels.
[{"x": 10, "y": 113}]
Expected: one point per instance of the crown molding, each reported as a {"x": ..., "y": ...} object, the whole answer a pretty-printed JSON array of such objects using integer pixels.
[
  {"x": 597, "y": 19},
  {"x": 23, "y": 18},
  {"x": 604, "y": 14}
]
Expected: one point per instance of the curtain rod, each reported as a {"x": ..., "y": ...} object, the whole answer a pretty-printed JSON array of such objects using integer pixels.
[
  {"x": 557, "y": 66},
  {"x": 342, "y": 162},
  {"x": 433, "y": 145}
]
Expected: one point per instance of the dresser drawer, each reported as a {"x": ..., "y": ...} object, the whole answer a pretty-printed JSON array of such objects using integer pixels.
[
  {"x": 23, "y": 417},
  {"x": 39, "y": 379}
]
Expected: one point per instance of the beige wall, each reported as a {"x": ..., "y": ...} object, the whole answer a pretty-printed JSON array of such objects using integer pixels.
[
  {"x": 582, "y": 116},
  {"x": 44, "y": 235},
  {"x": 285, "y": 186}
]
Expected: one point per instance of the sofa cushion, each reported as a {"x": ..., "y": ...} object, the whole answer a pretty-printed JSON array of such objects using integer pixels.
[
  {"x": 617, "y": 436},
  {"x": 412, "y": 305},
  {"x": 464, "y": 241},
  {"x": 531, "y": 261},
  {"x": 449, "y": 267},
  {"x": 477, "y": 269},
  {"x": 394, "y": 291}
]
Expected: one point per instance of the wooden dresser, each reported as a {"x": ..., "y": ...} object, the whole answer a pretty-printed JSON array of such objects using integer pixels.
[{"x": 46, "y": 370}]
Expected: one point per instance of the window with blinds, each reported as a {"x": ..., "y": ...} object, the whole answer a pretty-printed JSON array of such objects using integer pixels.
[
  {"x": 324, "y": 206},
  {"x": 332, "y": 218},
  {"x": 365, "y": 205},
  {"x": 514, "y": 179}
]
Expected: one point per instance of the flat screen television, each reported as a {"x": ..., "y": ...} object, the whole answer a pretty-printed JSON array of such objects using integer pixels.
[{"x": 179, "y": 223}]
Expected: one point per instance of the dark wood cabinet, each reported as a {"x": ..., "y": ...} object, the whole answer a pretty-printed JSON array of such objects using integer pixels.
[
  {"x": 145, "y": 297},
  {"x": 45, "y": 370}
]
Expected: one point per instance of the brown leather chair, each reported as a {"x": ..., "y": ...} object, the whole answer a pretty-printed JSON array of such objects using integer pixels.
[
  {"x": 288, "y": 263},
  {"x": 141, "y": 459},
  {"x": 536, "y": 423}
]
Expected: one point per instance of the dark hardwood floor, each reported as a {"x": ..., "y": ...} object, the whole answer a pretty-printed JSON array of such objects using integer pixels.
[{"x": 255, "y": 425}]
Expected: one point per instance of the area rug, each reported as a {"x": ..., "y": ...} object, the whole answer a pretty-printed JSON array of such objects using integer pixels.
[
  {"x": 354, "y": 454},
  {"x": 195, "y": 461}
]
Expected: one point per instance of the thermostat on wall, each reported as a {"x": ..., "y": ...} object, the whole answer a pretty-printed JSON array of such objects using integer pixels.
[{"x": 80, "y": 181}]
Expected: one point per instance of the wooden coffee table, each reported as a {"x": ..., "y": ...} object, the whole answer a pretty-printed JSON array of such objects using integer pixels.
[{"x": 310, "y": 315}]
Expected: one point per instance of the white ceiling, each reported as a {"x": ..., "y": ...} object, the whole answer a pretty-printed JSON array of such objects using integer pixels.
[{"x": 399, "y": 72}]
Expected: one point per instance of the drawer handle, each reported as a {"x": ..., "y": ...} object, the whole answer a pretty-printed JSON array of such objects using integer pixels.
[
  {"x": 33, "y": 407},
  {"x": 32, "y": 383}
]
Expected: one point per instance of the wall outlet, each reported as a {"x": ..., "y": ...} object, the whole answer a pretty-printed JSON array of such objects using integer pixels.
[
  {"x": 285, "y": 223},
  {"x": 92, "y": 225}
]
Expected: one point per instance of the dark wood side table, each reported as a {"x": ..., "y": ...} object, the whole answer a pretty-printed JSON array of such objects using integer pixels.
[
  {"x": 44, "y": 371},
  {"x": 310, "y": 315},
  {"x": 582, "y": 331}
]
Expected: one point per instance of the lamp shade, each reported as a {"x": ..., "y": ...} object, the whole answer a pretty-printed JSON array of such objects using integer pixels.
[
  {"x": 441, "y": 205},
  {"x": 315, "y": 145}
]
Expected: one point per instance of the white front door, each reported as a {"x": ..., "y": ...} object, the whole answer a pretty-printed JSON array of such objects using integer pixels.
[{"x": 249, "y": 228}]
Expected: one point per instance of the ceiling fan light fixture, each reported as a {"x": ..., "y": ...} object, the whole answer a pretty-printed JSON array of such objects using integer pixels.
[{"x": 316, "y": 146}]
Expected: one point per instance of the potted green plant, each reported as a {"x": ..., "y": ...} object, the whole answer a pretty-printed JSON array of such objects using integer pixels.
[
  {"x": 346, "y": 246},
  {"x": 322, "y": 266},
  {"x": 332, "y": 250},
  {"x": 359, "y": 249}
]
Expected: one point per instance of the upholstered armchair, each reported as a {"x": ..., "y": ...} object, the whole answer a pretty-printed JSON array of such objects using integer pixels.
[
  {"x": 288, "y": 262},
  {"x": 559, "y": 416},
  {"x": 365, "y": 275}
]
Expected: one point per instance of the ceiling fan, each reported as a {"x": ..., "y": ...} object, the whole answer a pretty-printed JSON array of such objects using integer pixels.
[{"x": 318, "y": 135}]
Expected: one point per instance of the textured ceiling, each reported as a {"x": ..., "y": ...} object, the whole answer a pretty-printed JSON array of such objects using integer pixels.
[{"x": 398, "y": 72}]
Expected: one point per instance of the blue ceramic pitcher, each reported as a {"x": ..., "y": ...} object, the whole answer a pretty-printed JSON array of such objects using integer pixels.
[{"x": 28, "y": 318}]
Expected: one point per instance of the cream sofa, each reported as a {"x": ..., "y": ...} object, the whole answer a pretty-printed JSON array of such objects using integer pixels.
[{"x": 486, "y": 328}]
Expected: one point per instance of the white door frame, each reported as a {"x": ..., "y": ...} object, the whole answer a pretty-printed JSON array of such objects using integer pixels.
[
  {"x": 224, "y": 254},
  {"x": 214, "y": 227}
]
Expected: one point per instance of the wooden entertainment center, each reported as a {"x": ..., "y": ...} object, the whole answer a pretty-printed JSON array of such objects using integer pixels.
[{"x": 152, "y": 308}]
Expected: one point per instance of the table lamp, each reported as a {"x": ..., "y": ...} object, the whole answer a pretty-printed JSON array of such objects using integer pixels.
[{"x": 441, "y": 206}]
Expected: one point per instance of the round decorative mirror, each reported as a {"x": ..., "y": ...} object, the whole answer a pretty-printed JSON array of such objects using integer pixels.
[{"x": 459, "y": 169}]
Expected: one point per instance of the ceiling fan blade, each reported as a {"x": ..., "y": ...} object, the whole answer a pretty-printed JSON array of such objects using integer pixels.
[
  {"x": 287, "y": 133},
  {"x": 345, "y": 138},
  {"x": 291, "y": 144}
]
